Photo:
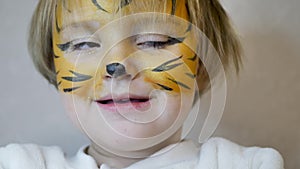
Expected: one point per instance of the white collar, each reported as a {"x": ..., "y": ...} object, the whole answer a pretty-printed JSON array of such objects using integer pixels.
[
  {"x": 184, "y": 151},
  {"x": 170, "y": 155}
]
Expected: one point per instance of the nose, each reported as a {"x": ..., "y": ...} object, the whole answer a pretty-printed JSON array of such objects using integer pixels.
[{"x": 115, "y": 69}]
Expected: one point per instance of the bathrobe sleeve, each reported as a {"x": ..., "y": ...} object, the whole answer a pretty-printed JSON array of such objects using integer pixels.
[
  {"x": 219, "y": 153},
  {"x": 31, "y": 156}
]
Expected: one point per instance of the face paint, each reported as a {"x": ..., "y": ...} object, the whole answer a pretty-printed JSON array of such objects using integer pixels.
[
  {"x": 72, "y": 76},
  {"x": 76, "y": 22},
  {"x": 95, "y": 64}
]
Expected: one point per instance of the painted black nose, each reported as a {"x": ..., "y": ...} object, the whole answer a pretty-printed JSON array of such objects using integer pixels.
[{"x": 115, "y": 69}]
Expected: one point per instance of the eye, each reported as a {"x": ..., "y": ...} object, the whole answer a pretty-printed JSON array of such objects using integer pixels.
[
  {"x": 85, "y": 46},
  {"x": 156, "y": 41}
]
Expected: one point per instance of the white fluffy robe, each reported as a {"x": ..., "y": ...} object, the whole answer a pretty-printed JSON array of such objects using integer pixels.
[
  {"x": 216, "y": 153},
  {"x": 219, "y": 153}
]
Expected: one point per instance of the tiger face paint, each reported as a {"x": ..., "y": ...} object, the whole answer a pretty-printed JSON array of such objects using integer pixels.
[
  {"x": 151, "y": 70},
  {"x": 76, "y": 22}
]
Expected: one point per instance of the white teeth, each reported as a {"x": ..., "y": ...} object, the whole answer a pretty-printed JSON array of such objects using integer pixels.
[{"x": 123, "y": 100}]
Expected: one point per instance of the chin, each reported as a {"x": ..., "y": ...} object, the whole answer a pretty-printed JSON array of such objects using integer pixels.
[{"x": 129, "y": 122}]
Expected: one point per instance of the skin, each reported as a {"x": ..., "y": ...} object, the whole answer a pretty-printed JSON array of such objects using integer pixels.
[{"x": 158, "y": 67}]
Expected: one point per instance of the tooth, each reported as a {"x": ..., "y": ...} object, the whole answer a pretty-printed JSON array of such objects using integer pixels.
[{"x": 123, "y": 100}]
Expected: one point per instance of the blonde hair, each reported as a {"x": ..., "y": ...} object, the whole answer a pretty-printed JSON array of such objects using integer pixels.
[{"x": 208, "y": 15}]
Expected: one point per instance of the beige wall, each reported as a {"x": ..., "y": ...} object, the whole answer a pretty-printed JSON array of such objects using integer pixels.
[{"x": 262, "y": 106}]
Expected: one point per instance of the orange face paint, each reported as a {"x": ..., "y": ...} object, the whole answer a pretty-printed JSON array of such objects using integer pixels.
[{"x": 162, "y": 61}]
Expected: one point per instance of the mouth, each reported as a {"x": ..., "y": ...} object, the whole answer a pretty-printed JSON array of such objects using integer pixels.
[
  {"x": 122, "y": 101},
  {"x": 127, "y": 103}
]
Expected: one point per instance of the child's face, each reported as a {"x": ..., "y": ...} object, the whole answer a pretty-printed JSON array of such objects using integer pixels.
[{"x": 124, "y": 89}]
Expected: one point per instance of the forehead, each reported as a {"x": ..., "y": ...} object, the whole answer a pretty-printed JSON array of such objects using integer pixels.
[{"x": 103, "y": 11}]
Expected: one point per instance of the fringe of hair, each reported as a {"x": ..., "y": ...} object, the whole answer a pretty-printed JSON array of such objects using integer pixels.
[{"x": 40, "y": 39}]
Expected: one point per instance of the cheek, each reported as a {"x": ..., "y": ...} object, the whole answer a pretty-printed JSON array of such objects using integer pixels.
[
  {"x": 176, "y": 110},
  {"x": 68, "y": 103},
  {"x": 177, "y": 73},
  {"x": 78, "y": 76}
]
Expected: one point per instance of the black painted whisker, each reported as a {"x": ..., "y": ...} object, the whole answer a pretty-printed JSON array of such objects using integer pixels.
[
  {"x": 193, "y": 58},
  {"x": 179, "y": 83},
  {"x": 165, "y": 66},
  {"x": 191, "y": 75},
  {"x": 77, "y": 78},
  {"x": 67, "y": 90},
  {"x": 164, "y": 87}
]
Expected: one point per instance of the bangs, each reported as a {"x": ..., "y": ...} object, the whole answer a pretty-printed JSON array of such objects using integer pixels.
[
  {"x": 159, "y": 15},
  {"x": 115, "y": 8}
]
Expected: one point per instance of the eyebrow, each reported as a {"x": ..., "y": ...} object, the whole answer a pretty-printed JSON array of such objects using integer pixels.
[{"x": 86, "y": 25}]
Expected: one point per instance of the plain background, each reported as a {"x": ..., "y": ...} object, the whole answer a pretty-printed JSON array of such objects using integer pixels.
[{"x": 262, "y": 106}]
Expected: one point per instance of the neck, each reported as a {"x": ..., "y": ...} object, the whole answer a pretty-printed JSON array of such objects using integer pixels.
[{"x": 104, "y": 157}]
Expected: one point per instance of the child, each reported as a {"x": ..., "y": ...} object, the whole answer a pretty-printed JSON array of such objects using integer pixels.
[{"x": 129, "y": 72}]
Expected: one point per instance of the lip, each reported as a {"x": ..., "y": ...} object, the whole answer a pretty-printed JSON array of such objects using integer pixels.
[{"x": 124, "y": 103}]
